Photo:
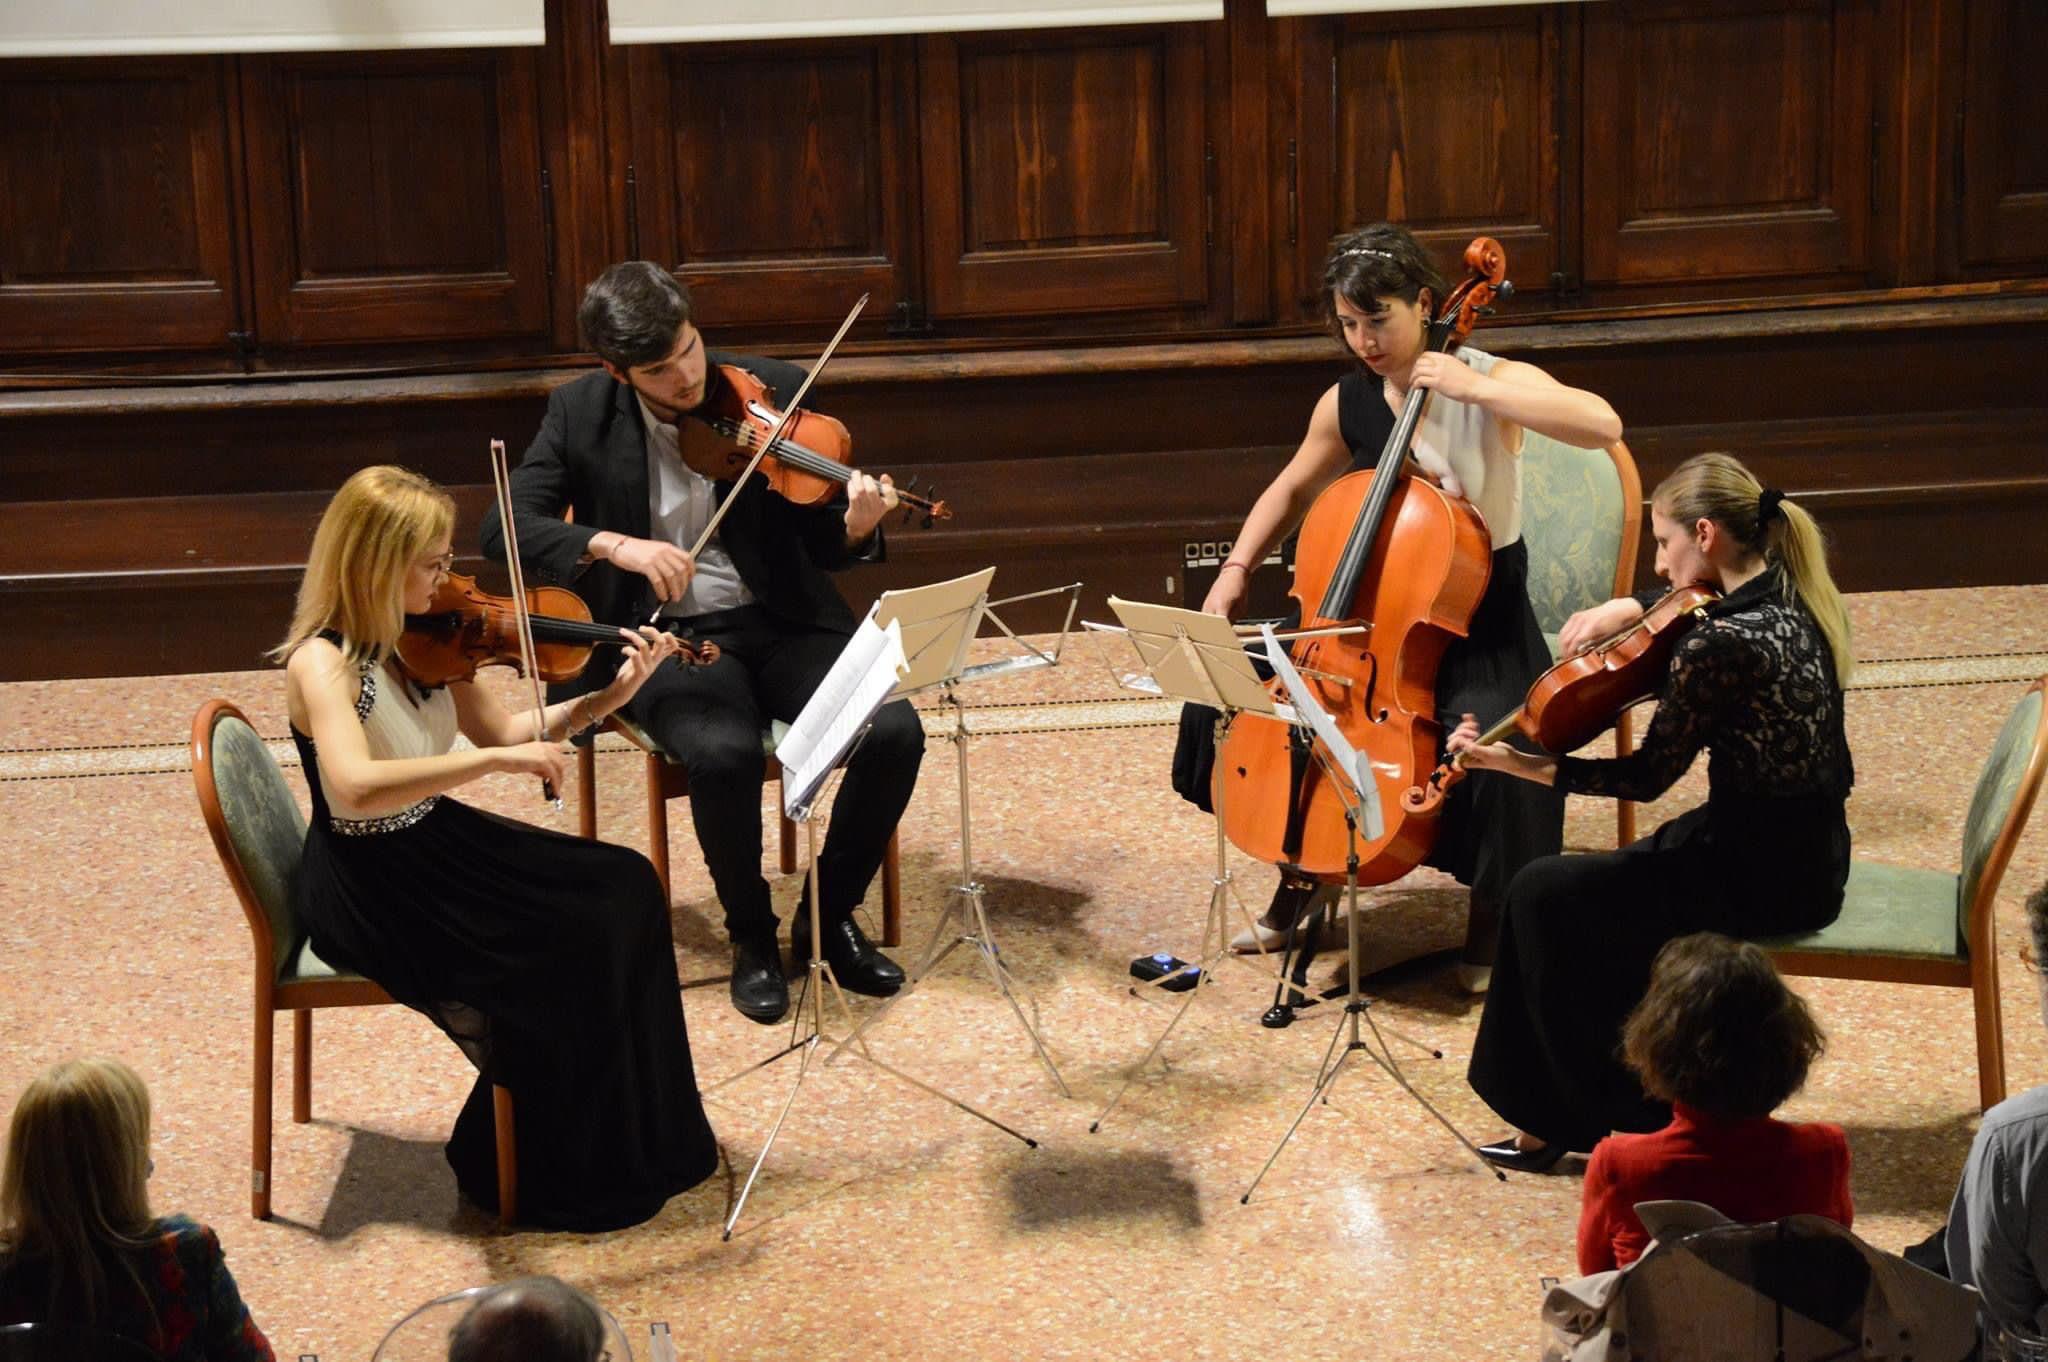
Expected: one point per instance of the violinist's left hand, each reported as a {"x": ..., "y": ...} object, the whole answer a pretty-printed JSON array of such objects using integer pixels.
[
  {"x": 867, "y": 501},
  {"x": 1448, "y": 374},
  {"x": 1464, "y": 744},
  {"x": 646, "y": 649}
]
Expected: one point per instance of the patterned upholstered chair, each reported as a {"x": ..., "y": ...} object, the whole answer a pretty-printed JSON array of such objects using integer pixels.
[
  {"x": 667, "y": 779},
  {"x": 260, "y": 835},
  {"x": 1582, "y": 515},
  {"x": 1901, "y": 925}
]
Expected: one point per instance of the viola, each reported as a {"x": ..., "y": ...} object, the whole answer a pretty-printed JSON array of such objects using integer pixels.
[
  {"x": 808, "y": 463},
  {"x": 464, "y": 628},
  {"x": 1401, "y": 555},
  {"x": 1581, "y": 697}
]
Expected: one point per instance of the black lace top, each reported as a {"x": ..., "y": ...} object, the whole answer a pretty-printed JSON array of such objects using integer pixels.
[{"x": 1754, "y": 683}]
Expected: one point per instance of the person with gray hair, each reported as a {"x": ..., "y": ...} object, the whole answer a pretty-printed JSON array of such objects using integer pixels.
[
  {"x": 533, "y": 1319},
  {"x": 1997, "y": 1238}
]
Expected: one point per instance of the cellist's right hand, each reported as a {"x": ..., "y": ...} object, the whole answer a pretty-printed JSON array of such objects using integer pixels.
[
  {"x": 1591, "y": 625},
  {"x": 1226, "y": 597}
]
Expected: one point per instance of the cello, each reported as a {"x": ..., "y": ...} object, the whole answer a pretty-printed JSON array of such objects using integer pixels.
[{"x": 1410, "y": 561}]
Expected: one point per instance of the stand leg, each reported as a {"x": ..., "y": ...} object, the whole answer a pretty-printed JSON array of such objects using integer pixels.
[
  {"x": 964, "y": 922},
  {"x": 808, "y": 1032}
]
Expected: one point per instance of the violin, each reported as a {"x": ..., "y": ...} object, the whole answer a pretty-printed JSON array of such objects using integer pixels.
[
  {"x": 809, "y": 462},
  {"x": 1409, "y": 560},
  {"x": 465, "y": 628},
  {"x": 1581, "y": 697}
]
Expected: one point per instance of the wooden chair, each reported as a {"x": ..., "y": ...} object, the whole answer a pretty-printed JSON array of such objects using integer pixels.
[
  {"x": 260, "y": 835},
  {"x": 1582, "y": 518},
  {"x": 1906, "y": 926},
  {"x": 667, "y": 779}
]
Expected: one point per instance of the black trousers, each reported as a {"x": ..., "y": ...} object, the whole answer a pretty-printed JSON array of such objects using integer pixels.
[{"x": 710, "y": 719}]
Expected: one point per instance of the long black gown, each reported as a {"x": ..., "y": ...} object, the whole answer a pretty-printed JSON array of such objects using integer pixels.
[
  {"x": 548, "y": 958},
  {"x": 1768, "y": 853}
]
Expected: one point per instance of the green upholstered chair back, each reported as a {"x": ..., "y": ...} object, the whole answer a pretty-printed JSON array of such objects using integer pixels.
[
  {"x": 1577, "y": 520},
  {"x": 260, "y": 820},
  {"x": 2008, "y": 779}
]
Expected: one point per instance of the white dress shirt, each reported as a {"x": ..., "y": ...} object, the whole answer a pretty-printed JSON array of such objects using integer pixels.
[{"x": 680, "y": 502}]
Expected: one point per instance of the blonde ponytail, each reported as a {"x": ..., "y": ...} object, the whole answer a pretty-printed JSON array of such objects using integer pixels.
[{"x": 1717, "y": 487}]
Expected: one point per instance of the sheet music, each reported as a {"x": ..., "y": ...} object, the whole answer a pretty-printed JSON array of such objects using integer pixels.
[
  {"x": 1355, "y": 766},
  {"x": 868, "y": 668}
]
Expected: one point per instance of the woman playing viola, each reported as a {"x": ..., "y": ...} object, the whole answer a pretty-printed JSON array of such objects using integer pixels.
[
  {"x": 1381, "y": 290},
  {"x": 546, "y": 957},
  {"x": 1758, "y": 683}
]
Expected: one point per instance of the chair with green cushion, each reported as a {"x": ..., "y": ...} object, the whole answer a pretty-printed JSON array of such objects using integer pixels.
[
  {"x": 1901, "y": 925},
  {"x": 260, "y": 834},
  {"x": 1582, "y": 516},
  {"x": 668, "y": 779}
]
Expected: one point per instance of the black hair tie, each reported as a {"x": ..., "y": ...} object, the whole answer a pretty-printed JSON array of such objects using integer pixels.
[{"x": 1767, "y": 505}]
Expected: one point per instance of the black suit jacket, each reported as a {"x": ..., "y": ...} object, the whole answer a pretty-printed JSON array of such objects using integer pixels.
[{"x": 590, "y": 458}]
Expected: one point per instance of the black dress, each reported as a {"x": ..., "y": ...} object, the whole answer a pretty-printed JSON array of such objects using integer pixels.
[
  {"x": 548, "y": 958},
  {"x": 1492, "y": 824},
  {"x": 1768, "y": 853}
]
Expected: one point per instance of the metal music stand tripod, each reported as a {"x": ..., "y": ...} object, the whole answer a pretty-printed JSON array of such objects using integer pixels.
[
  {"x": 1199, "y": 659},
  {"x": 1351, "y": 777},
  {"x": 939, "y": 623},
  {"x": 818, "y": 743}
]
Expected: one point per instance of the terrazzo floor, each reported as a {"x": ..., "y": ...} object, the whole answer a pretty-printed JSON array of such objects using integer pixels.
[{"x": 887, "y": 1224}]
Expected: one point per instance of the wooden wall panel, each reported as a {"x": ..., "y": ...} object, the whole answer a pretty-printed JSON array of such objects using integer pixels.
[
  {"x": 2004, "y": 164},
  {"x": 116, "y": 212},
  {"x": 1446, "y": 123},
  {"x": 1066, "y": 172},
  {"x": 773, "y": 178},
  {"x": 1727, "y": 143},
  {"x": 396, "y": 196}
]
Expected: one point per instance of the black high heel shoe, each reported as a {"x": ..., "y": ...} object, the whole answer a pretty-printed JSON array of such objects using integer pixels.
[{"x": 1507, "y": 1154}]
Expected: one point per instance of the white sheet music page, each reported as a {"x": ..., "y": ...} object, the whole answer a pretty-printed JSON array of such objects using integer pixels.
[{"x": 867, "y": 670}]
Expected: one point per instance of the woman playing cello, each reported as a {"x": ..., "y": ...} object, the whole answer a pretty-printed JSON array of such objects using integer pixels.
[
  {"x": 1758, "y": 683},
  {"x": 1380, "y": 290},
  {"x": 548, "y": 958}
]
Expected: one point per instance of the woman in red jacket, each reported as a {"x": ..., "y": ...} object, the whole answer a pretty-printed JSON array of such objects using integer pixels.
[{"x": 1722, "y": 1039}]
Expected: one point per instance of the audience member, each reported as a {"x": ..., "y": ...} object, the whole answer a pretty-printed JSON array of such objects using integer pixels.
[
  {"x": 1722, "y": 1039},
  {"x": 534, "y": 1319},
  {"x": 78, "y": 1244},
  {"x": 1998, "y": 1225}
]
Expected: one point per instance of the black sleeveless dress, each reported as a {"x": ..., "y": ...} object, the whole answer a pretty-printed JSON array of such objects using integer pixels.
[
  {"x": 1492, "y": 824},
  {"x": 549, "y": 959}
]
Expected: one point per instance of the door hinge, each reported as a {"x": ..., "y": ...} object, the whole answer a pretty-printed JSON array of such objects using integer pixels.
[{"x": 910, "y": 320}]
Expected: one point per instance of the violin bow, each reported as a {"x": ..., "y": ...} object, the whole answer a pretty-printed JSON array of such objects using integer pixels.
[
  {"x": 501, "y": 475},
  {"x": 774, "y": 434}
]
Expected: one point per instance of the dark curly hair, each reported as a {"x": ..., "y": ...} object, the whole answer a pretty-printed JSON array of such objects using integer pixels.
[
  {"x": 633, "y": 312},
  {"x": 1380, "y": 261},
  {"x": 1719, "y": 1031}
]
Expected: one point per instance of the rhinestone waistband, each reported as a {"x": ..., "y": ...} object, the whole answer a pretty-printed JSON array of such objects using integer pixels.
[{"x": 390, "y": 822}]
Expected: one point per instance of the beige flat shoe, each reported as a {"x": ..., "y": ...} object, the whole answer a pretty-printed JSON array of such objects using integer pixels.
[{"x": 1474, "y": 980}]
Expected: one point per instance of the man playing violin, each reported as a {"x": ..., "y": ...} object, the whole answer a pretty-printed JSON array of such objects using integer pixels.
[{"x": 611, "y": 452}]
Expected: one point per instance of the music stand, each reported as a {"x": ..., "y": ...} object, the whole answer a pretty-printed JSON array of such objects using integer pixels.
[
  {"x": 1351, "y": 777},
  {"x": 818, "y": 743},
  {"x": 1199, "y": 659},
  {"x": 939, "y": 623}
]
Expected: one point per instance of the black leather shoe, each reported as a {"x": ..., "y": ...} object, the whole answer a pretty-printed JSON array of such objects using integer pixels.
[
  {"x": 856, "y": 964},
  {"x": 758, "y": 988},
  {"x": 1507, "y": 1154}
]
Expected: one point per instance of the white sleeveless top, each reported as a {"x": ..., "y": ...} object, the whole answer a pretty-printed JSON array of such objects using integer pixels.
[
  {"x": 1459, "y": 443},
  {"x": 395, "y": 727}
]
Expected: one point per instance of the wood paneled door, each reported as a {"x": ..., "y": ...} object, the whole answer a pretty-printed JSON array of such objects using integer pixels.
[
  {"x": 396, "y": 197},
  {"x": 116, "y": 205},
  {"x": 1728, "y": 142},
  {"x": 1066, "y": 171},
  {"x": 1447, "y": 123},
  {"x": 773, "y": 178},
  {"x": 2004, "y": 170}
]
